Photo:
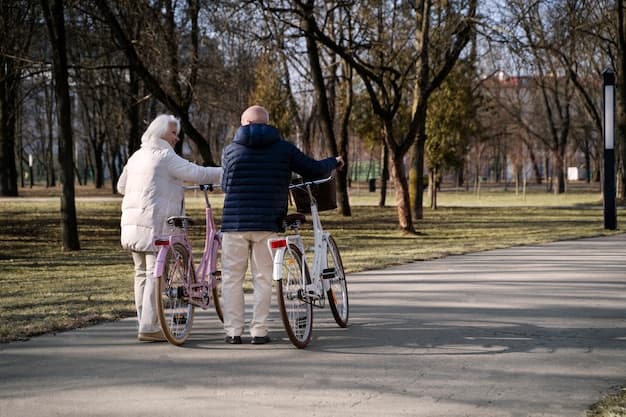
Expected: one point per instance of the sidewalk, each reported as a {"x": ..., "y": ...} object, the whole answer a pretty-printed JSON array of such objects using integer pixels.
[{"x": 526, "y": 331}]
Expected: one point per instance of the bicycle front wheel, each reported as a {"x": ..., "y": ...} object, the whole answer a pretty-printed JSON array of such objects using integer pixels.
[
  {"x": 338, "y": 289},
  {"x": 216, "y": 273},
  {"x": 295, "y": 311},
  {"x": 174, "y": 310}
]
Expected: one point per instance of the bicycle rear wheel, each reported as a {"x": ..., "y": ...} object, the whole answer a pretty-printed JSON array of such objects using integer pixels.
[
  {"x": 216, "y": 273},
  {"x": 338, "y": 290},
  {"x": 295, "y": 311},
  {"x": 174, "y": 310}
]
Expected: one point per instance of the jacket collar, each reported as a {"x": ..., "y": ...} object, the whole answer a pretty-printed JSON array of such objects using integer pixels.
[
  {"x": 257, "y": 135},
  {"x": 157, "y": 143}
]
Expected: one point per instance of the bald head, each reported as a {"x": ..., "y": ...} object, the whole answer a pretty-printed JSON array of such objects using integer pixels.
[{"x": 255, "y": 114}]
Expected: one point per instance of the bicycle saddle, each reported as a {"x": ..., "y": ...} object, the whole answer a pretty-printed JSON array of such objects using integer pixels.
[{"x": 180, "y": 221}]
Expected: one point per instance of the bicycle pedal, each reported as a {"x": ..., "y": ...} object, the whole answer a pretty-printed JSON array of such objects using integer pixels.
[{"x": 312, "y": 296}]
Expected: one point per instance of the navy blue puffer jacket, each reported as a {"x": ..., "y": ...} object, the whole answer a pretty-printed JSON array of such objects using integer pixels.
[{"x": 257, "y": 171}]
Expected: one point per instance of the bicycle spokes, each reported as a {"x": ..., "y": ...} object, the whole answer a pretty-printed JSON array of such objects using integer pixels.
[
  {"x": 175, "y": 310},
  {"x": 295, "y": 307},
  {"x": 335, "y": 284}
]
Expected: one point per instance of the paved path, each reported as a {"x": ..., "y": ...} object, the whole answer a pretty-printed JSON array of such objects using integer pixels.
[{"x": 528, "y": 331}]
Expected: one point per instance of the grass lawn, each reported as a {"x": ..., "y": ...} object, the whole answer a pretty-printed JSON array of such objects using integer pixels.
[{"x": 47, "y": 290}]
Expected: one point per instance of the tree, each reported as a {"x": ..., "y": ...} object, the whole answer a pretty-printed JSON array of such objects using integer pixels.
[
  {"x": 443, "y": 32},
  {"x": 169, "y": 91},
  {"x": 619, "y": 63},
  {"x": 368, "y": 130},
  {"x": 392, "y": 56},
  {"x": 272, "y": 90},
  {"x": 328, "y": 98},
  {"x": 55, "y": 22},
  {"x": 451, "y": 122},
  {"x": 541, "y": 33},
  {"x": 287, "y": 26},
  {"x": 17, "y": 20}
]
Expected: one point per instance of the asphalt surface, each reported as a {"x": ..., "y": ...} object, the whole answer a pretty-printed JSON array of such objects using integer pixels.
[{"x": 527, "y": 331}]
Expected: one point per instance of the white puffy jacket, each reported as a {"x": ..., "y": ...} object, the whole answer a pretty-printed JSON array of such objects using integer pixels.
[{"x": 151, "y": 183}]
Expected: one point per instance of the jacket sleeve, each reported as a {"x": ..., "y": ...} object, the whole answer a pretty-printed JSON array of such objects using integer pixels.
[
  {"x": 121, "y": 182},
  {"x": 310, "y": 168},
  {"x": 185, "y": 170}
]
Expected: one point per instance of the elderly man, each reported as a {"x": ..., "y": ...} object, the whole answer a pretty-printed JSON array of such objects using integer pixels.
[{"x": 257, "y": 171}]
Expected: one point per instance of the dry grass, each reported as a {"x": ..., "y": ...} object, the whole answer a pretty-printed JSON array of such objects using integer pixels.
[{"x": 47, "y": 290}]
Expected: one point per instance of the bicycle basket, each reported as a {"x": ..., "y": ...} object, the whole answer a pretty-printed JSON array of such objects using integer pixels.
[{"x": 325, "y": 195}]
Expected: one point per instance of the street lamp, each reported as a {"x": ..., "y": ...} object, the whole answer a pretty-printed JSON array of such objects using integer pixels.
[
  {"x": 610, "y": 208},
  {"x": 30, "y": 170}
]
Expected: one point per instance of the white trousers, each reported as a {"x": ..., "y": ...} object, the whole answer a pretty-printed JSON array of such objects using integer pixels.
[
  {"x": 237, "y": 248},
  {"x": 145, "y": 292}
]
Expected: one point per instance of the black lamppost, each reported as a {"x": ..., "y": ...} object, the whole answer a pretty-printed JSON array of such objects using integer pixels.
[{"x": 610, "y": 208}]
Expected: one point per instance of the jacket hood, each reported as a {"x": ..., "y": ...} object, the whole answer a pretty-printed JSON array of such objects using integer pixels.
[{"x": 257, "y": 135}]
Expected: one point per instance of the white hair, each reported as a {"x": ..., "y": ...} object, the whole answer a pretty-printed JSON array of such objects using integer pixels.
[{"x": 159, "y": 127}]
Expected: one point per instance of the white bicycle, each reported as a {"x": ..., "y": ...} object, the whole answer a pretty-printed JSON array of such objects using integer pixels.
[{"x": 300, "y": 288}]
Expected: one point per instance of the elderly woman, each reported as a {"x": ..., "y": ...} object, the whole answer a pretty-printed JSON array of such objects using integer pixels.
[{"x": 151, "y": 183}]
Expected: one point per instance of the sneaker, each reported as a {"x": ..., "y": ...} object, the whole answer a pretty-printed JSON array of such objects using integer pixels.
[
  {"x": 157, "y": 336},
  {"x": 260, "y": 340},
  {"x": 233, "y": 340}
]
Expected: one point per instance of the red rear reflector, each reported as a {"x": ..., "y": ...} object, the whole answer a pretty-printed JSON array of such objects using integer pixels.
[
  {"x": 279, "y": 243},
  {"x": 160, "y": 242}
]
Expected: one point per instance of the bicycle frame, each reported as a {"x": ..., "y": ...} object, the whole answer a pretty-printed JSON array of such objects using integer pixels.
[
  {"x": 318, "y": 287},
  {"x": 198, "y": 292}
]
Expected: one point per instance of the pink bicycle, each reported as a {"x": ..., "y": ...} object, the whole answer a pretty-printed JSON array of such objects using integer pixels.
[{"x": 181, "y": 287}]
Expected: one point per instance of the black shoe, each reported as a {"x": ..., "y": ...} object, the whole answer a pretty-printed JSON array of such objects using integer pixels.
[
  {"x": 233, "y": 340},
  {"x": 260, "y": 340}
]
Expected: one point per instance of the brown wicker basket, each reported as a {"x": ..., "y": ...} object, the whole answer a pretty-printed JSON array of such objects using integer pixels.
[{"x": 325, "y": 195}]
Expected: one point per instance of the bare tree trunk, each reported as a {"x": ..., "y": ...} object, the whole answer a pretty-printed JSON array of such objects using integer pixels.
[
  {"x": 326, "y": 115},
  {"x": 559, "y": 167},
  {"x": 344, "y": 140},
  {"x": 51, "y": 176},
  {"x": 134, "y": 118},
  {"x": 621, "y": 102},
  {"x": 55, "y": 21},
  {"x": 417, "y": 172},
  {"x": 98, "y": 153},
  {"x": 432, "y": 188},
  {"x": 9, "y": 86},
  {"x": 403, "y": 203},
  {"x": 113, "y": 158},
  {"x": 384, "y": 174}
]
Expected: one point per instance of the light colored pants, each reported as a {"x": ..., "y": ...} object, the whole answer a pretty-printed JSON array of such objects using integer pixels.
[
  {"x": 145, "y": 292},
  {"x": 237, "y": 248}
]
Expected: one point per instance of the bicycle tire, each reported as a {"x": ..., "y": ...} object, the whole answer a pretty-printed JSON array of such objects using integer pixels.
[
  {"x": 175, "y": 312},
  {"x": 217, "y": 278},
  {"x": 338, "y": 290},
  {"x": 295, "y": 311}
]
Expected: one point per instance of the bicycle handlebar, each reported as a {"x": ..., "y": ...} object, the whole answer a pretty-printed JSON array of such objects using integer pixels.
[
  {"x": 313, "y": 182},
  {"x": 203, "y": 187}
]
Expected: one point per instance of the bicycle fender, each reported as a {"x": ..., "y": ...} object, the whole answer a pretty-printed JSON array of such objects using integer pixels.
[
  {"x": 279, "y": 254},
  {"x": 159, "y": 265}
]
